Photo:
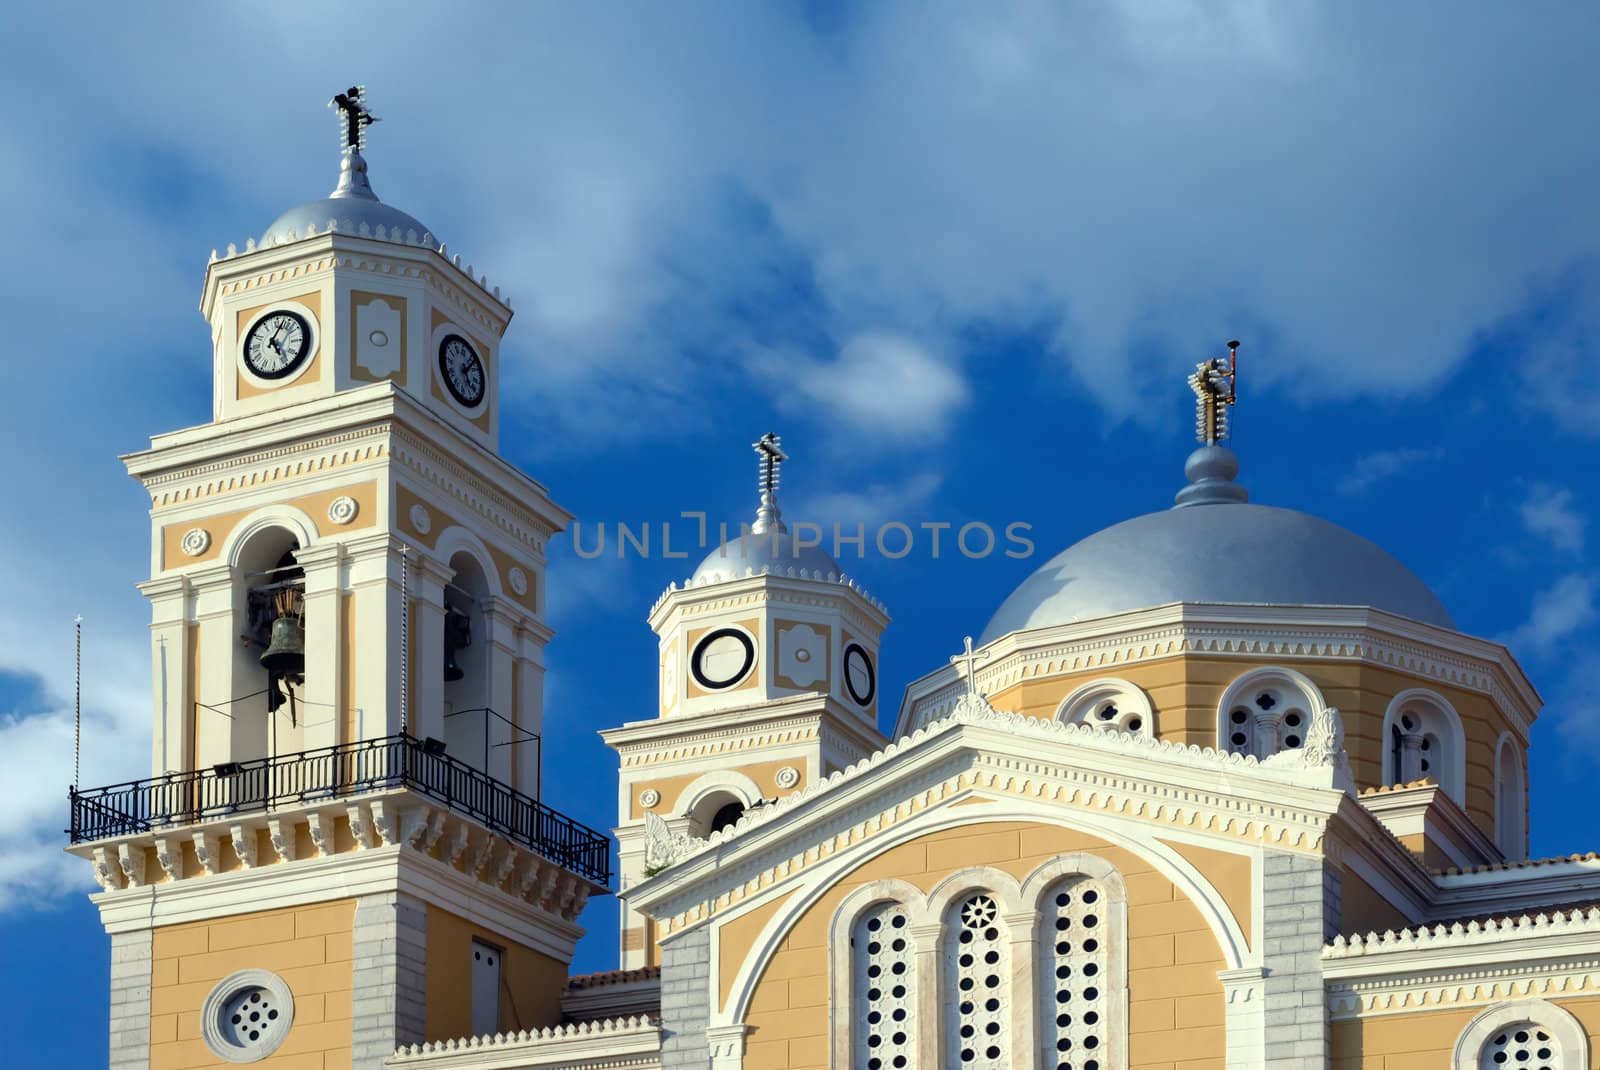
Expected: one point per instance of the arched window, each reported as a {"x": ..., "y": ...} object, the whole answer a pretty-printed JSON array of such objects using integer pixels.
[
  {"x": 882, "y": 982},
  {"x": 1510, "y": 799},
  {"x": 1423, "y": 738},
  {"x": 978, "y": 979},
  {"x": 1266, "y": 711},
  {"x": 1528, "y": 1034},
  {"x": 1110, "y": 704},
  {"x": 1074, "y": 975}
]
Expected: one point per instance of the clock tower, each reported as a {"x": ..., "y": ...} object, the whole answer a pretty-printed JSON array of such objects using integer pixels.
[{"x": 347, "y": 585}]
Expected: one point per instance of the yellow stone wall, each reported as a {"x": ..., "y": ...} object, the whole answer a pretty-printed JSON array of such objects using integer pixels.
[
  {"x": 1426, "y": 1039},
  {"x": 1185, "y": 691},
  {"x": 309, "y": 947},
  {"x": 531, "y": 983},
  {"x": 1175, "y": 999}
]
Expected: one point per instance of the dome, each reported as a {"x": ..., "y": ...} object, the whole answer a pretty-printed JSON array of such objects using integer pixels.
[
  {"x": 351, "y": 206},
  {"x": 1215, "y": 547},
  {"x": 766, "y": 551}
]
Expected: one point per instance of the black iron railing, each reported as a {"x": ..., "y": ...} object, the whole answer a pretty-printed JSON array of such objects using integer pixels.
[{"x": 349, "y": 769}]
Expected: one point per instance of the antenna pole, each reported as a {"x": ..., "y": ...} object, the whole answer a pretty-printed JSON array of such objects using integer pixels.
[
  {"x": 77, "y": 700},
  {"x": 405, "y": 638}
]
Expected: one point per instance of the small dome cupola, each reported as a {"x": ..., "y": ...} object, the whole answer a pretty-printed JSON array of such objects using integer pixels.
[
  {"x": 1213, "y": 546},
  {"x": 352, "y": 208},
  {"x": 767, "y": 546}
]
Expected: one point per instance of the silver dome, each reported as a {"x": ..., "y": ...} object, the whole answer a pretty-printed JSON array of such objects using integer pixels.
[
  {"x": 1214, "y": 547},
  {"x": 765, "y": 551},
  {"x": 350, "y": 207}
]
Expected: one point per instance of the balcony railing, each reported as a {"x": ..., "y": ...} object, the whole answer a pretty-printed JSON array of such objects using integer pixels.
[{"x": 343, "y": 771}]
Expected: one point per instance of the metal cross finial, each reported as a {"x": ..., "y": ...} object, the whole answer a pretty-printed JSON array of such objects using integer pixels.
[
  {"x": 1213, "y": 386},
  {"x": 354, "y": 118},
  {"x": 970, "y": 659},
  {"x": 771, "y": 457}
]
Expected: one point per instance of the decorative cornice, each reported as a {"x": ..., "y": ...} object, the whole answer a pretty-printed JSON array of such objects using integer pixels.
[
  {"x": 790, "y": 587},
  {"x": 1258, "y": 633},
  {"x": 1071, "y": 765},
  {"x": 619, "y": 1042},
  {"x": 1584, "y": 921}
]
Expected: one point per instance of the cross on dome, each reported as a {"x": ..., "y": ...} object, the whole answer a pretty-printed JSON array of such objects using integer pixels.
[
  {"x": 771, "y": 457},
  {"x": 354, "y": 118},
  {"x": 1213, "y": 386}
]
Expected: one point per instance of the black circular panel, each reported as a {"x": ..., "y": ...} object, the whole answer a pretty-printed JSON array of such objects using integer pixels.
[
  {"x": 722, "y": 658},
  {"x": 277, "y": 344},
  {"x": 461, "y": 369},
  {"x": 859, "y": 678}
]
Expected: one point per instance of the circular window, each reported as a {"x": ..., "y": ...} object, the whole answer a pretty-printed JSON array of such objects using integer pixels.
[
  {"x": 722, "y": 659},
  {"x": 247, "y": 1016}
]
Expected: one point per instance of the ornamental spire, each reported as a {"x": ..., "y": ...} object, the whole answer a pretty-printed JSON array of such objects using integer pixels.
[
  {"x": 1213, "y": 386},
  {"x": 771, "y": 458}
]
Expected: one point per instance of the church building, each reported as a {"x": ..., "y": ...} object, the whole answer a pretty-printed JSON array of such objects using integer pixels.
[{"x": 1220, "y": 786}]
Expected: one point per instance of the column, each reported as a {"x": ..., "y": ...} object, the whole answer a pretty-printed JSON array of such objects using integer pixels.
[
  {"x": 319, "y": 712},
  {"x": 1266, "y": 734},
  {"x": 426, "y": 662},
  {"x": 500, "y": 658},
  {"x": 171, "y": 700},
  {"x": 530, "y": 705},
  {"x": 372, "y": 656}
]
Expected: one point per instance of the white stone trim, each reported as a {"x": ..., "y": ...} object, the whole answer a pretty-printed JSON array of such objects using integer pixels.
[
  {"x": 1114, "y": 916},
  {"x": 295, "y": 521},
  {"x": 841, "y": 1023},
  {"x": 1453, "y": 777},
  {"x": 1083, "y": 704},
  {"x": 215, "y": 1003},
  {"x": 632, "y": 1043},
  {"x": 729, "y": 780},
  {"x": 1131, "y": 836},
  {"x": 1567, "y": 1030},
  {"x": 1339, "y": 634},
  {"x": 458, "y": 540}
]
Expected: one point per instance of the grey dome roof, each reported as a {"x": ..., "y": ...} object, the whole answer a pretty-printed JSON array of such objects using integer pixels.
[
  {"x": 1214, "y": 547},
  {"x": 350, "y": 207},
  {"x": 767, "y": 551}
]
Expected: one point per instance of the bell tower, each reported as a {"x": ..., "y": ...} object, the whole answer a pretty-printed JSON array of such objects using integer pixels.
[
  {"x": 768, "y": 683},
  {"x": 352, "y": 454},
  {"x": 347, "y": 585}
]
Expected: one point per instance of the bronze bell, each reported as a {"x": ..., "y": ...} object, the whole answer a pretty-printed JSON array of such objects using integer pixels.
[
  {"x": 286, "y": 653},
  {"x": 457, "y": 634}
]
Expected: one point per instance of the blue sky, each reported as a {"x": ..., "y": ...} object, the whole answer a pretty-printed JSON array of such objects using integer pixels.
[{"x": 961, "y": 256}]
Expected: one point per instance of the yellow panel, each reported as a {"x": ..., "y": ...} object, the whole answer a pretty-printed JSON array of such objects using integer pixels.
[
  {"x": 431, "y": 360},
  {"x": 1229, "y": 873},
  {"x": 739, "y": 935},
  {"x": 531, "y": 983},
  {"x": 219, "y": 526},
  {"x": 765, "y": 774},
  {"x": 309, "y": 947},
  {"x": 751, "y": 681}
]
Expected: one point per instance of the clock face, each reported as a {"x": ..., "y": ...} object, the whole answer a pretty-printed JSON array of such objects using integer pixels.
[
  {"x": 722, "y": 659},
  {"x": 859, "y": 678},
  {"x": 277, "y": 345},
  {"x": 461, "y": 369}
]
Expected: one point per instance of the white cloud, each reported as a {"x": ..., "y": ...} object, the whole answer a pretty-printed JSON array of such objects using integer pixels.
[
  {"x": 881, "y": 385},
  {"x": 1559, "y": 612},
  {"x": 1373, "y": 468},
  {"x": 1548, "y": 513},
  {"x": 904, "y": 501}
]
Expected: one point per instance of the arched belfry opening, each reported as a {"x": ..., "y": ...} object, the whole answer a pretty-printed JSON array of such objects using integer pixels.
[
  {"x": 263, "y": 701},
  {"x": 469, "y": 717},
  {"x": 715, "y": 812}
]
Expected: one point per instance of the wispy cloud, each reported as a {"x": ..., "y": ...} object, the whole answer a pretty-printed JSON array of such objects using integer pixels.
[
  {"x": 905, "y": 501},
  {"x": 1558, "y": 613},
  {"x": 1373, "y": 468},
  {"x": 1548, "y": 513},
  {"x": 882, "y": 385}
]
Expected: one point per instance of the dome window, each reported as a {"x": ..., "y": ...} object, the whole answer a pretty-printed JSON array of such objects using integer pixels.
[
  {"x": 1266, "y": 711},
  {"x": 1423, "y": 740},
  {"x": 1111, "y": 705}
]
